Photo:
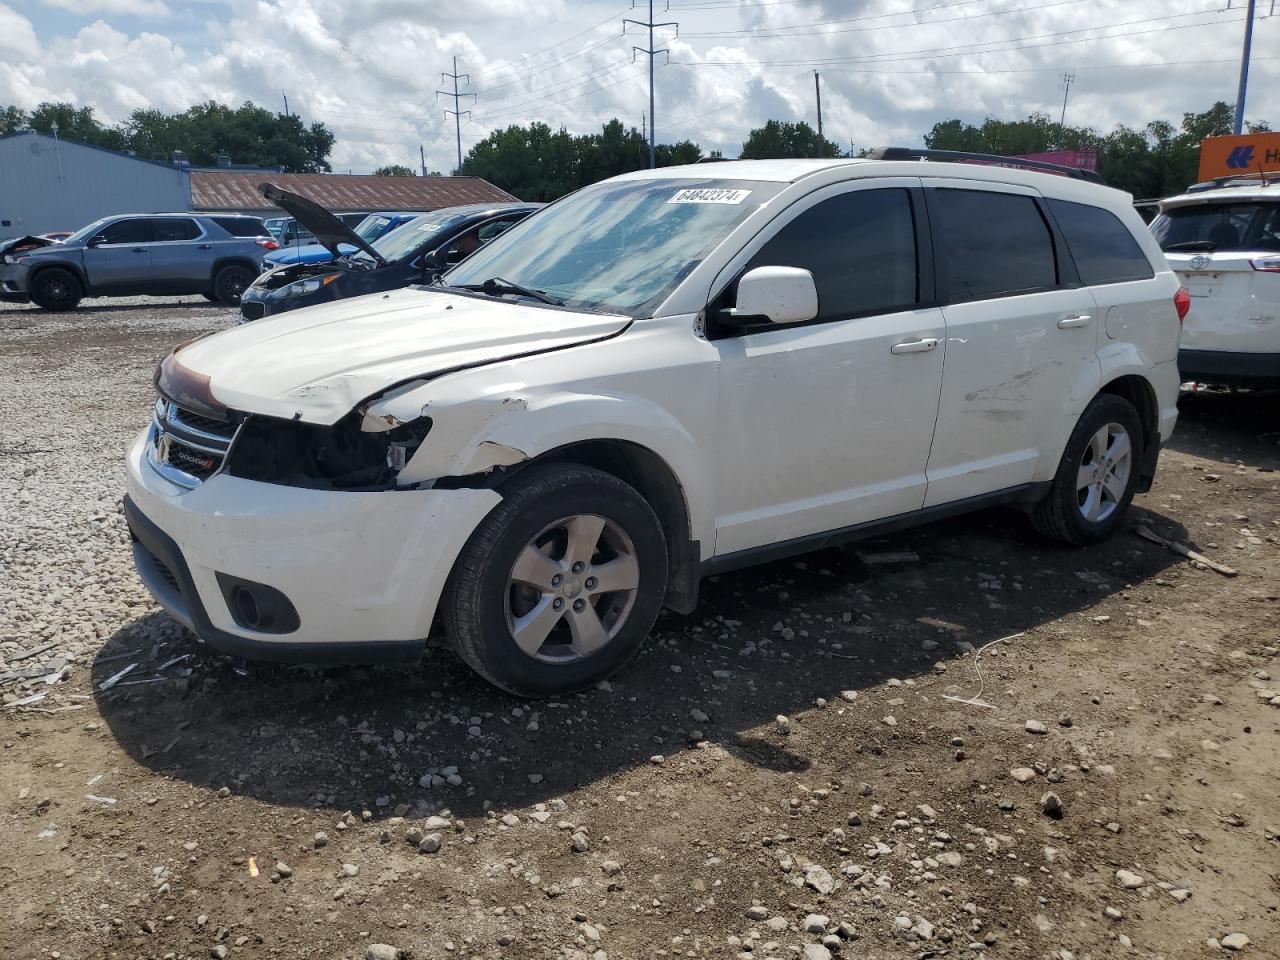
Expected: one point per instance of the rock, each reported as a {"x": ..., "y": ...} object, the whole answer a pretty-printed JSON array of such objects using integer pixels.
[
  {"x": 816, "y": 951},
  {"x": 922, "y": 928},
  {"x": 349, "y": 870},
  {"x": 757, "y": 913},
  {"x": 321, "y": 840},
  {"x": 510, "y": 820},
  {"x": 431, "y": 843},
  {"x": 848, "y": 696},
  {"x": 1235, "y": 941},
  {"x": 381, "y": 951},
  {"x": 777, "y": 924},
  {"x": 697, "y": 716},
  {"x": 611, "y": 868},
  {"x": 1052, "y": 805},
  {"x": 949, "y": 858},
  {"x": 782, "y": 724},
  {"x": 1129, "y": 880},
  {"x": 817, "y": 878},
  {"x": 218, "y": 951},
  {"x": 854, "y": 820},
  {"x": 1035, "y": 726},
  {"x": 926, "y": 811},
  {"x": 1112, "y": 913},
  {"x": 1181, "y": 895},
  {"x": 1022, "y": 774},
  {"x": 657, "y": 759},
  {"x": 579, "y": 842},
  {"x": 816, "y": 923},
  {"x": 284, "y": 869}
]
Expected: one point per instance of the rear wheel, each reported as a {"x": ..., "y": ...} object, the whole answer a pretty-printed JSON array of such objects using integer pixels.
[
  {"x": 1097, "y": 475},
  {"x": 559, "y": 586},
  {"x": 56, "y": 289},
  {"x": 230, "y": 282}
]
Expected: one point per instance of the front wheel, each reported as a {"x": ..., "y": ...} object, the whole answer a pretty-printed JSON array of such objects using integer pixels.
[
  {"x": 56, "y": 289},
  {"x": 230, "y": 283},
  {"x": 1097, "y": 475},
  {"x": 559, "y": 586}
]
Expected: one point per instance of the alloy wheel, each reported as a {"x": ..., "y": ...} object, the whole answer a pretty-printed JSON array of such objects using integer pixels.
[{"x": 1103, "y": 476}]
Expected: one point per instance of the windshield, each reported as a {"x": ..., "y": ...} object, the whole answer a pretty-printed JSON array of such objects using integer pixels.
[
  {"x": 372, "y": 227},
  {"x": 84, "y": 233},
  {"x": 411, "y": 236},
  {"x": 1221, "y": 227},
  {"x": 620, "y": 246}
]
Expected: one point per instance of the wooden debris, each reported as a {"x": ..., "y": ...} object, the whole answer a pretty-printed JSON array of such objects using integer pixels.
[{"x": 1184, "y": 550}]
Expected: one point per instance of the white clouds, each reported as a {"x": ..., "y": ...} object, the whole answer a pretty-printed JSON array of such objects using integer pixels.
[
  {"x": 890, "y": 68},
  {"x": 137, "y": 8}
]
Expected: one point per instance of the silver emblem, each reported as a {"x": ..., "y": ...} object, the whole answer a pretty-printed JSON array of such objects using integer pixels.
[{"x": 1199, "y": 262}]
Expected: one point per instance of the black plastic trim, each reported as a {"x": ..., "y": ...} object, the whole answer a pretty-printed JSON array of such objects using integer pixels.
[
  {"x": 962, "y": 156},
  {"x": 166, "y": 550},
  {"x": 1026, "y": 494},
  {"x": 1147, "y": 469},
  {"x": 1224, "y": 367}
]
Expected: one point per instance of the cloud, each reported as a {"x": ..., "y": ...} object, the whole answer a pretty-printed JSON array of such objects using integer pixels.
[
  {"x": 137, "y": 8},
  {"x": 370, "y": 70}
]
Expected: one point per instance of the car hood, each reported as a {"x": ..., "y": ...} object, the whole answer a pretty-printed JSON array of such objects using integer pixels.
[
  {"x": 14, "y": 244},
  {"x": 317, "y": 364},
  {"x": 329, "y": 230},
  {"x": 307, "y": 253}
]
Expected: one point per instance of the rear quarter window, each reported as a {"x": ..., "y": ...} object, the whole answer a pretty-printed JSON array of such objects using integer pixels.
[
  {"x": 242, "y": 226},
  {"x": 1102, "y": 247}
]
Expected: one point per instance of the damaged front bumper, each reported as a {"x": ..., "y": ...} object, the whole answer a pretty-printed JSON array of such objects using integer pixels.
[{"x": 362, "y": 572}]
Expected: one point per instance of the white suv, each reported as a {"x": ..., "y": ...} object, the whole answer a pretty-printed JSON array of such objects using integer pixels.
[
  {"x": 1223, "y": 239},
  {"x": 666, "y": 375}
]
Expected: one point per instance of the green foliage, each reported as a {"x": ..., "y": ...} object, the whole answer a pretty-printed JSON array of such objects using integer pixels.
[
  {"x": 538, "y": 163},
  {"x": 395, "y": 170},
  {"x": 248, "y": 133},
  {"x": 781, "y": 139},
  {"x": 1156, "y": 161}
]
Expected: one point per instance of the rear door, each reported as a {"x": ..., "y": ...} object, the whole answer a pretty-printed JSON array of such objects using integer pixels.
[
  {"x": 182, "y": 255},
  {"x": 1227, "y": 255},
  {"x": 120, "y": 260},
  {"x": 1021, "y": 339}
]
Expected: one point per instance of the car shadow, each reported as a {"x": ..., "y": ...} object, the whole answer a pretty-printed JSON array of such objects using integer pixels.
[
  {"x": 1242, "y": 427},
  {"x": 762, "y": 642},
  {"x": 106, "y": 305}
]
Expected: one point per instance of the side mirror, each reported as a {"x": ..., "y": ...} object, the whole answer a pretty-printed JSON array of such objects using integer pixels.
[
  {"x": 97, "y": 241},
  {"x": 774, "y": 295}
]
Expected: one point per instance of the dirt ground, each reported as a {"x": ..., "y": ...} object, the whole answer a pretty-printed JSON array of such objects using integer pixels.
[{"x": 208, "y": 807}]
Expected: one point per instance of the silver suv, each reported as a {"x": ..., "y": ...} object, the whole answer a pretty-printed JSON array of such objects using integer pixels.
[{"x": 155, "y": 254}]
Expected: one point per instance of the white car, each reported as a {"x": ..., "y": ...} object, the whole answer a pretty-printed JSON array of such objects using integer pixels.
[
  {"x": 666, "y": 375},
  {"x": 1223, "y": 239}
]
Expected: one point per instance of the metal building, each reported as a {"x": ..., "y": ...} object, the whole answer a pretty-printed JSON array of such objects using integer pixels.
[{"x": 51, "y": 184}]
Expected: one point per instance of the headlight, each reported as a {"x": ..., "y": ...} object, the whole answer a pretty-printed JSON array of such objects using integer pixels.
[{"x": 308, "y": 285}]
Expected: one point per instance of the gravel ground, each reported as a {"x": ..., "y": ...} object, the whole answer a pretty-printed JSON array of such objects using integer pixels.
[{"x": 816, "y": 763}]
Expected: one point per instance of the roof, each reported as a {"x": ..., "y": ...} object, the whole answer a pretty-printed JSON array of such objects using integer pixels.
[
  {"x": 777, "y": 171},
  {"x": 234, "y": 189},
  {"x": 64, "y": 141},
  {"x": 1252, "y": 191}
]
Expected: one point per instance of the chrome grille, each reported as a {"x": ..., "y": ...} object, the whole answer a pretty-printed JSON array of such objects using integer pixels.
[{"x": 186, "y": 447}]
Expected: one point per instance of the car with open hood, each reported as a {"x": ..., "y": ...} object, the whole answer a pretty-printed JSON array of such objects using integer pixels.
[
  {"x": 663, "y": 376},
  {"x": 411, "y": 253},
  {"x": 369, "y": 229}
]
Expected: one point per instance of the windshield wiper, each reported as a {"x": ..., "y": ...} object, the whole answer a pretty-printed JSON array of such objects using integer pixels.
[
  {"x": 1208, "y": 245},
  {"x": 496, "y": 285}
]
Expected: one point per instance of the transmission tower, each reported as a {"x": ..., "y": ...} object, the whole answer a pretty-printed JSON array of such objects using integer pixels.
[
  {"x": 650, "y": 26},
  {"x": 457, "y": 114}
]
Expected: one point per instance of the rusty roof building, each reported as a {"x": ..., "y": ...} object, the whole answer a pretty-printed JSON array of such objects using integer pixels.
[{"x": 236, "y": 190}]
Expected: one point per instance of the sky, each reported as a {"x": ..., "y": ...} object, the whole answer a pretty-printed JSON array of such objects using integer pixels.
[{"x": 889, "y": 69}]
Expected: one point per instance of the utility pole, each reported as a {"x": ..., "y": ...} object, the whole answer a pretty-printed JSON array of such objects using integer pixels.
[
  {"x": 1244, "y": 69},
  {"x": 817, "y": 92},
  {"x": 422, "y": 155},
  {"x": 650, "y": 26},
  {"x": 457, "y": 114},
  {"x": 1067, "y": 80},
  {"x": 286, "y": 102}
]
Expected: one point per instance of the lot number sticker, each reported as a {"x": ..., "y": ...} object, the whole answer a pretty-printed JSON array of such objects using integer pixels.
[{"x": 710, "y": 195}]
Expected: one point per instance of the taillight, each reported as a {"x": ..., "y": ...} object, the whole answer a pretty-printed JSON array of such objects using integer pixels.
[
  {"x": 1182, "y": 303},
  {"x": 1266, "y": 264},
  {"x": 267, "y": 244}
]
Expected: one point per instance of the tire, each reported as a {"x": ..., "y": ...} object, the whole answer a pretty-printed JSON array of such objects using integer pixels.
[
  {"x": 487, "y": 606},
  {"x": 230, "y": 282},
  {"x": 1080, "y": 510},
  {"x": 56, "y": 289}
]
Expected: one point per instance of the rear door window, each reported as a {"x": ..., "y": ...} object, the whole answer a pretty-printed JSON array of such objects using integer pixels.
[
  {"x": 861, "y": 249},
  {"x": 242, "y": 226},
  {"x": 171, "y": 229},
  {"x": 1102, "y": 247},
  {"x": 991, "y": 244},
  {"x": 1225, "y": 227},
  {"x": 133, "y": 230}
]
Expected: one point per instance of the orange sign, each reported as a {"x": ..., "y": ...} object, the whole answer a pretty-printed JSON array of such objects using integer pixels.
[{"x": 1247, "y": 153}]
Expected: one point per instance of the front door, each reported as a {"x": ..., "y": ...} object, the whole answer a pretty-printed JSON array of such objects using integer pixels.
[
  {"x": 120, "y": 256},
  {"x": 827, "y": 424},
  {"x": 182, "y": 255}
]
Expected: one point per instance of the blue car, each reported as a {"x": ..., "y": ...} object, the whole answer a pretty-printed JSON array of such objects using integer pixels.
[{"x": 369, "y": 229}]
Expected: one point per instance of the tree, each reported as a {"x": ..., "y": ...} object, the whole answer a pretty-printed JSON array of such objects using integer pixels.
[
  {"x": 395, "y": 170},
  {"x": 12, "y": 120},
  {"x": 75, "y": 123},
  {"x": 779, "y": 138}
]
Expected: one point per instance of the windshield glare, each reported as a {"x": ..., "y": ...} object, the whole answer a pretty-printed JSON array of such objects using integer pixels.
[
  {"x": 84, "y": 233},
  {"x": 621, "y": 246},
  {"x": 406, "y": 239},
  {"x": 372, "y": 227},
  {"x": 1228, "y": 226}
]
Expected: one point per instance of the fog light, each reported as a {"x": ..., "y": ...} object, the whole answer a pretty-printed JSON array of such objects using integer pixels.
[{"x": 256, "y": 606}]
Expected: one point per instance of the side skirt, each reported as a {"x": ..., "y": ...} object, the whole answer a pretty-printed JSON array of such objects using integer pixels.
[{"x": 1025, "y": 494}]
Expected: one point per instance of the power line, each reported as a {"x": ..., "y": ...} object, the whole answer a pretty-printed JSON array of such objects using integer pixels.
[
  {"x": 457, "y": 114},
  {"x": 651, "y": 26}
]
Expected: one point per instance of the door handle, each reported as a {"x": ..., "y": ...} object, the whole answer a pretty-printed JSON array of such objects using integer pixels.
[
  {"x": 204, "y": 246},
  {"x": 138, "y": 249},
  {"x": 1075, "y": 320},
  {"x": 915, "y": 346}
]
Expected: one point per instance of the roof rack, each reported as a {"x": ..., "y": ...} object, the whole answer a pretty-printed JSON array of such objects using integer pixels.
[
  {"x": 959, "y": 156},
  {"x": 1242, "y": 179}
]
